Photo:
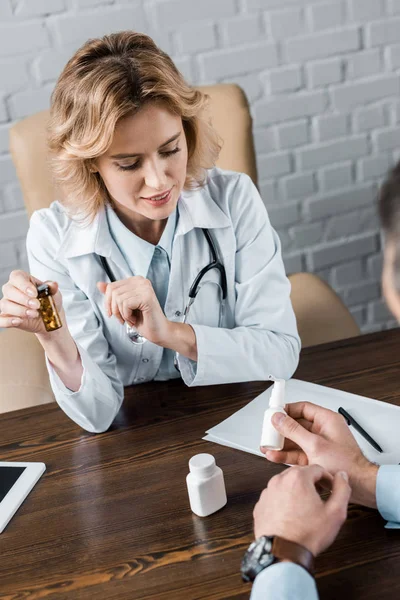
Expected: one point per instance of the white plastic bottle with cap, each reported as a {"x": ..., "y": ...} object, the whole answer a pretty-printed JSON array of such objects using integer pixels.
[
  {"x": 270, "y": 437},
  {"x": 205, "y": 484}
]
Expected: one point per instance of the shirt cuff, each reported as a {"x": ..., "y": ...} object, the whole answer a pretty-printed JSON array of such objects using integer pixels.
[
  {"x": 94, "y": 406},
  {"x": 187, "y": 368},
  {"x": 388, "y": 494},
  {"x": 284, "y": 581}
]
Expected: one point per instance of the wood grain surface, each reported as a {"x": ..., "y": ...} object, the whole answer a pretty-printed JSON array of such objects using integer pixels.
[{"x": 110, "y": 518}]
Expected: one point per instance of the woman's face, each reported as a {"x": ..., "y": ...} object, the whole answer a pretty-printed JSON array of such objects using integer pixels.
[
  {"x": 144, "y": 170},
  {"x": 390, "y": 293}
]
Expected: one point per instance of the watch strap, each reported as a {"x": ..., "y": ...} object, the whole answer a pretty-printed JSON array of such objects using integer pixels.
[{"x": 284, "y": 549}]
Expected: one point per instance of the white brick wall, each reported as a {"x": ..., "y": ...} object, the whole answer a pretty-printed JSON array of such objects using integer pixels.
[
  {"x": 324, "y": 72},
  {"x": 336, "y": 176},
  {"x": 327, "y": 43},
  {"x": 323, "y": 81}
]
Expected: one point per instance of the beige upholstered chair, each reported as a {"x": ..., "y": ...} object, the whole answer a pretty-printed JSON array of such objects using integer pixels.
[{"x": 321, "y": 315}]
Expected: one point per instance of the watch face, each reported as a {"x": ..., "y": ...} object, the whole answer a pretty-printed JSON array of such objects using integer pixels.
[{"x": 257, "y": 558}]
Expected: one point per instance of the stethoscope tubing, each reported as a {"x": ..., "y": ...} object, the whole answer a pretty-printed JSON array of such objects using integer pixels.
[{"x": 215, "y": 263}]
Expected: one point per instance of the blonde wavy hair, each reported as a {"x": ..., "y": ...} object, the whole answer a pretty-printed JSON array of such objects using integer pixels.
[{"x": 106, "y": 80}]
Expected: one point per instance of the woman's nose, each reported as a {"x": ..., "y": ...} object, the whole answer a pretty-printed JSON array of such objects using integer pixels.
[{"x": 155, "y": 177}]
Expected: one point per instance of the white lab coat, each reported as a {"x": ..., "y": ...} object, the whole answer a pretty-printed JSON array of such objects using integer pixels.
[{"x": 258, "y": 336}]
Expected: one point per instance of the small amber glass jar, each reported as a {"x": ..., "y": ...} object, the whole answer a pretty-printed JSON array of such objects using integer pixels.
[{"x": 48, "y": 310}]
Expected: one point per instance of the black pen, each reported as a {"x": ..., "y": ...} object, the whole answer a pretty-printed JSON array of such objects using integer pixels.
[{"x": 351, "y": 421}]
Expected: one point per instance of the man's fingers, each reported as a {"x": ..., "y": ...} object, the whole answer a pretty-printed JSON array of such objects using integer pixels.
[
  {"x": 291, "y": 429},
  {"x": 306, "y": 424},
  {"x": 306, "y": 410},
  {"x": 340, "y": 496},
  {"x": 289, "y": 444},
  {"x": 316, "y": 473},
  {"x": 287, "y": 457}
]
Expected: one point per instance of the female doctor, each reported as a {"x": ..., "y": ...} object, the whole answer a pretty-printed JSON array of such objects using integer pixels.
[{"x": 161, "y": 265}]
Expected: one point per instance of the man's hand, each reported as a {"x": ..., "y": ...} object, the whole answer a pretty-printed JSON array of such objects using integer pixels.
[
  {"x": 291, "y": 507},
  {"x": 316, "y": 435}
]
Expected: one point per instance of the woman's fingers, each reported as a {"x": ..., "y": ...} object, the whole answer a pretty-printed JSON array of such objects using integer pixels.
[
  {"x": 111, "y": 293},
  {"x": 101, "y": 286},
  {"x": 17, "y": 310},
  {"x": 15, "y": 295},
  {"x": 6, "y": 321},
  {"x": 108, "y": 299},
  {"x": 128, "y": 303},
  {"x": 16, "y": 305},
  {"x": 24, "y": 282},
  {"x": 115, "y": 309},
  {"x": 125, "y": 298}
]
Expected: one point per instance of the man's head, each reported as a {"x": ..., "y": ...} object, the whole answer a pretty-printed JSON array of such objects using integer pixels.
[{"x": 389, "y": 211}]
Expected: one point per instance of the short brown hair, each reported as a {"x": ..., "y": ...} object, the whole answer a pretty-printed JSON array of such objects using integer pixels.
[{"x": 107, "y": 79}]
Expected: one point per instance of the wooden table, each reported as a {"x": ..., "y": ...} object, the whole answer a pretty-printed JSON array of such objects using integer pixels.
[{"x": 110, "y": 518}]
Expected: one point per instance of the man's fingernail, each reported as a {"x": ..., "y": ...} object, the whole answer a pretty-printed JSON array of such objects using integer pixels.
[
  {"x": 277, "y": 418},
  {"x": 30, "y": 292},
  {"x": 16, "y": 321},
  {"x": 344, "y": 475}
]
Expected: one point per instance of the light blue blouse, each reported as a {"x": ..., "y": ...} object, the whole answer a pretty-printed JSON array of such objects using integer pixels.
[{"x": 154, "y": 263}]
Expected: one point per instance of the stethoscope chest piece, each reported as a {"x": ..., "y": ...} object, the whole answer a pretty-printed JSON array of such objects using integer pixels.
[{"x": 134, "y": 335}]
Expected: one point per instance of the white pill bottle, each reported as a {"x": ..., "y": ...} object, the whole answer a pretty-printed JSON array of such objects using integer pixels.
[
  {"x": 205, "y": 484},
  {"x": 271, "y": 439}
]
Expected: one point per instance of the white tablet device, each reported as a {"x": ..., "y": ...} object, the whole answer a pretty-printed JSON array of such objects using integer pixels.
[{"x": 16, "y": 481}]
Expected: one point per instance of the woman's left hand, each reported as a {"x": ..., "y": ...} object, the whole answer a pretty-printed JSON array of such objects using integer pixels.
[{"x": 133, "y": 300}]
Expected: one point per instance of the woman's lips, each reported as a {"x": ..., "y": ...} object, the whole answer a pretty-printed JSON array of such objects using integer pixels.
[{"x": 159, "y": 202}]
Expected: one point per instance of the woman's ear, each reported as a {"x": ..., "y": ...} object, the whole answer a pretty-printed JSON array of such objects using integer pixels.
[
  {"x": 390, "y": 292},
  {"x": 92, "y": 167}
]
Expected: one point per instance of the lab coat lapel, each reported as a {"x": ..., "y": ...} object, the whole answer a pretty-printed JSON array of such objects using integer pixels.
[
  {"x": 197, "y": 209},
  {"x": 84, "y": 238}
]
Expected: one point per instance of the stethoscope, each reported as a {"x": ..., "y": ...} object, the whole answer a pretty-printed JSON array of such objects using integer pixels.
[{"x": 215, "y": 263}]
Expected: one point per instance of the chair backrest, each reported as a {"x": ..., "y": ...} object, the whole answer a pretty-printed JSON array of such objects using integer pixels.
[
  {"x": 321, "y": 315},
  {"x": 230, "y": 116}
]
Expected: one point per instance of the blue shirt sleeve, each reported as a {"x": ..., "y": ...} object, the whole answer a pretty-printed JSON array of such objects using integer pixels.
[
  {"x": 388, "y": 494},
  {"x": 288, "y": 581},
  {"x": 284, "y": 581}
]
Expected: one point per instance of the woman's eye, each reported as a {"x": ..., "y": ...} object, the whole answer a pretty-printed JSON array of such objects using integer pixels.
[
  {"x": 136, "y": 165},
  {"x": 128, "y": 167},
  {"x": 170, "y": 152}
]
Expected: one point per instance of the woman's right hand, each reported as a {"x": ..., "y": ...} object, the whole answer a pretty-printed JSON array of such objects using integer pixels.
[{"x": 19, "y": 304}]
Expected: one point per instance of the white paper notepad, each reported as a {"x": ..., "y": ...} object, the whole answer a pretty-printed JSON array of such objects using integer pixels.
[{"x": 242, "y": 430}]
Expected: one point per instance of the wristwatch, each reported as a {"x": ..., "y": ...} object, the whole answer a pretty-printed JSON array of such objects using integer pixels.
[{"x": 267, "y": 550}]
